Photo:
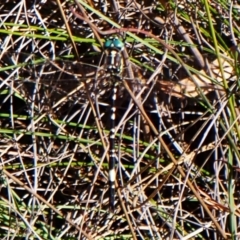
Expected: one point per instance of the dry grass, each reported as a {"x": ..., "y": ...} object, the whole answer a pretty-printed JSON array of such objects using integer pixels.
[{"x": 177, "y": 120}]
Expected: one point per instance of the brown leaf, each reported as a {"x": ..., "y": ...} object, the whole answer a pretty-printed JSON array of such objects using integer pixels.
[{"x": 188, "y": 87}]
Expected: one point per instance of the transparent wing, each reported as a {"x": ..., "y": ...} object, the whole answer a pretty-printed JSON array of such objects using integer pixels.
[{"x": 49, "y": 81}]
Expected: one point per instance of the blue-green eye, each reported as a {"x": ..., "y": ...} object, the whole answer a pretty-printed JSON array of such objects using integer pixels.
[{"x": 115, "y": 43}]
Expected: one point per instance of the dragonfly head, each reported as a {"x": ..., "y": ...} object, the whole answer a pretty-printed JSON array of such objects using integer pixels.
[{"x": 114, "y": 43}]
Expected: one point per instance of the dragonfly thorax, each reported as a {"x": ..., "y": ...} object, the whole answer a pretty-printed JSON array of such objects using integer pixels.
[{"x": 114, "y": 62}]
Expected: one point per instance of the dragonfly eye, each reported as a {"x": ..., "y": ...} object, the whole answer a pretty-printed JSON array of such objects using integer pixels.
[{"x": 114, "y": 43}]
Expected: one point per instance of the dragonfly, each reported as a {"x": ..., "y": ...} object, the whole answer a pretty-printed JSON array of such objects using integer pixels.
[
  {"x": 36, "y": 79},
  {"x": 114, "y": 62}
]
